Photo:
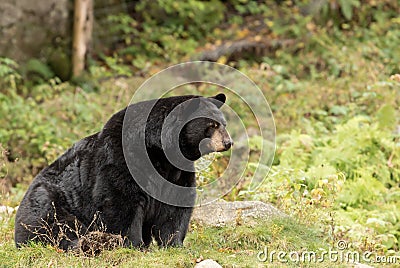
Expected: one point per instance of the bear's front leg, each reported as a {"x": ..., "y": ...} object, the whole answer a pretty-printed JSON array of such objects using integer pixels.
[
  {"x": 172, "y": 231},
  {"x": 134, "y": 235}
]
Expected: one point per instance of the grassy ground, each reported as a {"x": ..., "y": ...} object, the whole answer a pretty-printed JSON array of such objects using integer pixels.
[{"x": 231, "y": 246}]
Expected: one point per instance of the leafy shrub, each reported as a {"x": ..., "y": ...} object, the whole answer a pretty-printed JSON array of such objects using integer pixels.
[
  {"x": 165, "y": 30},
  {"x": 9, "y": 76},
  {"x": 33, "y": 120},
  {"x": 355, "y": 166},
  {"x": 358, "y": 12}
]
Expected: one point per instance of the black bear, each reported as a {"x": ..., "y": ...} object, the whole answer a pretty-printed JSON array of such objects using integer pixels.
[{"x": 93, "y": 187}]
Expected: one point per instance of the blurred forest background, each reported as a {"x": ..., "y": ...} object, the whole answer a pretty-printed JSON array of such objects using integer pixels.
[{"x": 330, "y": 70}]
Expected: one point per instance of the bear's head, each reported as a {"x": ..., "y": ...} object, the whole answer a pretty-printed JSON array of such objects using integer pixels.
[{"x": 204, "y": 130}]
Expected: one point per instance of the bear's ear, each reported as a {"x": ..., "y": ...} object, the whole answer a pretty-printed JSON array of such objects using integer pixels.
[{"x": 218, "y": 100}]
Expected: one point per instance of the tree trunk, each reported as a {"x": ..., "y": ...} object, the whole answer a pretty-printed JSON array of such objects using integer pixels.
[{"x": 83, "y": 25}]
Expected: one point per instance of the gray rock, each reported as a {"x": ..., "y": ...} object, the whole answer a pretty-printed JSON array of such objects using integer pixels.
[
  {"x": 221, "y": 212},
  {"x": 35, "y": 29},
  {"x": 208, "y": 264},
  {"x": 28, "y": 27}
]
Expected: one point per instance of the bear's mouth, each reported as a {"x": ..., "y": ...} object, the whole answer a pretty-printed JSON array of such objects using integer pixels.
[
  {"x": 206, "y": 147},
  {"x": 218, "y": 147},
  {"x": 209, "y": 146}
]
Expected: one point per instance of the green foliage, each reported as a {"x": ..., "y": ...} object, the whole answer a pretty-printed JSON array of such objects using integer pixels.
[
  {"x": 387, "y": 117},
  {"x": 345, "y": 14},
  {"x": 196, "y": 17},
  {"x": 9, "y": 76},
  {"x": 247, "y": 7},
  {"x": 38, "y": 71},
  {"x": 166, "y": 30},
  {"x": 170, "y": 31},
  {"x": 347, "y": 168},
  {"x": 40, "y": 122},
  {"x": 347, "y": 7},
  {"x": 30, "y": 134},
  {"x": 115, "y": 65}
]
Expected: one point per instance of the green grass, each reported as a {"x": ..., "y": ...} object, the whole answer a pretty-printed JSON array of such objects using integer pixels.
[{"x": 231, "y": 246}]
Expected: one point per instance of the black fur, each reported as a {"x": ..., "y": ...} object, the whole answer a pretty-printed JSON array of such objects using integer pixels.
[{"x": 90, "y": 187}]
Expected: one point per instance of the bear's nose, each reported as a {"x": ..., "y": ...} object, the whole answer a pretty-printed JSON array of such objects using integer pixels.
[{"x": 228, "y": 144}]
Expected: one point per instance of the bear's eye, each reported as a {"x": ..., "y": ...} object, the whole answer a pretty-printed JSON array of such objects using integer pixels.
[{"x": 213, "y": 125}]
